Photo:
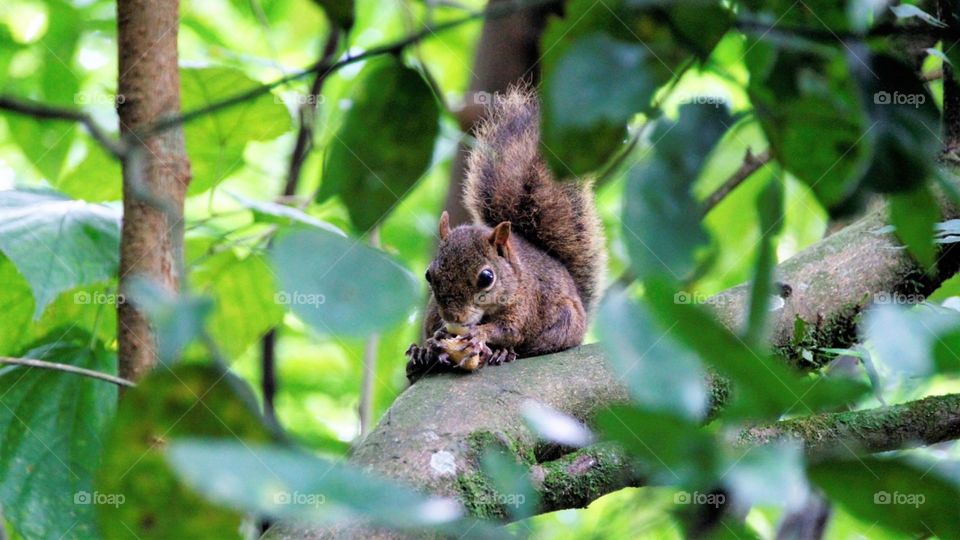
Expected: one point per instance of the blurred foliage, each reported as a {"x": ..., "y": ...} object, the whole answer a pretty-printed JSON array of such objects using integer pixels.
[{"x": 659, "y": 99}]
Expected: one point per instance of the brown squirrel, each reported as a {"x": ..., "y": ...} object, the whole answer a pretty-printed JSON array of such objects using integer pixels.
[{"x": 521, "y": 280}]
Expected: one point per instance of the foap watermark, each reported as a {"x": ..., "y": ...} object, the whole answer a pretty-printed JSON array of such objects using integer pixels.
[
  {"x": 687, "y": 297},
  {"x": 715, "y": 500},
  {"x": 299, "y": 299},
  {"x": 109, "y": 499},
  {"x": 300, "y": 100},
  {"x": 908, "y": 499},
  {"x": 898, "y": 98},
  {"x": 487, "y": 298},
  {"x": 699, "y": 99},
  {"x": 98, "y": 298},
  {"x": 899, "y": 299},
  {"x": 299, "y": 499},
  {"x": 515, "y": 500},
  {"x": 484, "y": 98},
  {"x": 99, "y": 98}
]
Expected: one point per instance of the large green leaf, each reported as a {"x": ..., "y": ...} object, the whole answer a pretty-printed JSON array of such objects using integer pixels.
[
  {"x": 339, "y": 285},
  {"x": 97, "y": 178},
  {"x": 46, "y": 142},
  {"x": 660, "y": 373},
  {"x": 384, "y": 144},
  {"x": 58, "y": 243},
  {"x": 910, "y": 497},
  {"x": 244, "y": 300},
  {"x": 52, "y": 424},
  {"x": 285, "y": 483},
  {"x": 809, "y": 108},
  {"x": 215, "y": 142},
  {"x": 661, "y": 219},
  {"x": 187, "y": 401},
  {"x": 765, "y": 387},
  {"x": 914, "y": 215},
  {"x": 602, "y": 63}
]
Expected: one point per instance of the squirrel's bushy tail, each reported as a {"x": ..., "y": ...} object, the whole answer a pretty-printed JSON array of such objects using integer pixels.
[{"x": 507, "y": 180}]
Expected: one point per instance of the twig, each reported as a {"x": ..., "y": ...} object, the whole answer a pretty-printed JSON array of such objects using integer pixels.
[
  {"x": 43, "y": 364},
  {"x": 50, "y": 112},
  {"x": 751, "y": 163}
]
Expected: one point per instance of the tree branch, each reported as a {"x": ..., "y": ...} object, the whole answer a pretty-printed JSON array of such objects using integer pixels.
[
  {"x": 445, "y": 419},
  {"x": 49, "y": 112},
  {"x": 43, "y": 364},
  {"x": 751, "y": 164}
]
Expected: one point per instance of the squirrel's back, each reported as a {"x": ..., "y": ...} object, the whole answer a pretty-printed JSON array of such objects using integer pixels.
[{"x": 507, "y": 180}]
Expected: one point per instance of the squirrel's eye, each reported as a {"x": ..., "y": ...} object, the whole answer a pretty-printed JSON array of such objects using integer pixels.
[
  {"x": 485, "y": 279},
  {"x": 427, "y": 275}
]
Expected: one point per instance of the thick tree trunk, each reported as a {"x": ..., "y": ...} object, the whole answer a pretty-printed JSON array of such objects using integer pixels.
[
  {"x": 156, "y": 171},
  {"x": 431, "y": 435}
]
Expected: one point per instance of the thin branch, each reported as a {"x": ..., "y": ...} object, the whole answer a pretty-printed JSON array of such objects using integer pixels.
[
  {"x": 751, "y": 164},
  {"x": 369, "y": 363},
  {"x": 43, "y": 364},
  {"x": 50, "y": 112}
]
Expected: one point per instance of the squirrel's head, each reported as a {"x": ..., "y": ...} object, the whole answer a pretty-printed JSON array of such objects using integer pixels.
[{"x": 475, "y": 272}]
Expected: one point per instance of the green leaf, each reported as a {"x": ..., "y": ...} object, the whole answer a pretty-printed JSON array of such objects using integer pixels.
[
  {"x": 176, "y": 320},
  {"x": 185, "y": 401},
  {"x": 339, "y": 285},
  {"x": 52, "y": 424},
  {"x": 271, "y": 212},
  {"x": 97, "y": 178},
  {"x": 384, "y": 144},
  {"x": 583, "y": 126},
  {"x": 809, "y": 108},
  {"x": 46, "y": 142},
  {"x": 660, "y": 373},
  {"x": 913, "y": 342},
  {"x": 284, "y": 483},
  {"x": 514, "y": 491},
  {"x": 340, "y": 12},
  {"x": 906, "y": 496},
  {"x": 244, "y": 300},
  {"x": 672, "y": 449},
  {"x": 58, "y": 243},
  {"x": 914, "y": 215},
  {"x": 765, "y": 386},
  {"x": 770, "y": 210},
  {"x": 215, "y": 142},
  {"x": 661, "y": 218},
  {"x": 904, "y": 123},
  {"x": 907, "y": 11}
]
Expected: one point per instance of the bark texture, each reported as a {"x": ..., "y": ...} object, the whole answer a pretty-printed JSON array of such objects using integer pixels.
[{"x": 155, "y": 170}]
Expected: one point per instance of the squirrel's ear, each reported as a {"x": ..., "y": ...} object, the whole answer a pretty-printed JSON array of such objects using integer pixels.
[
  {"x": 500, "y": 236},
  {"x": 444, "y": 225}
]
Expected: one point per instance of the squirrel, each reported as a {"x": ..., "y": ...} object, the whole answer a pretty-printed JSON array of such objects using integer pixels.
[{"x": 521, "y": 280}]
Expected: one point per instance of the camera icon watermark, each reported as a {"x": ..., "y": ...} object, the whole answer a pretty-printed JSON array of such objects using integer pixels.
[
  {"x": 900, "y": 299},
  {"x": 98, "y": 298},
  {"x": 897, "y": 98},
  {"x": 908, "y": 499},
  {"x": 300, "y": 100},
  {"x": 298, "y": 298},
  {"x": 98, "y": 98},
  {"x": 700, "y": 99},
  {"x": 715, "y": 500},
  {"x": 109, "y": 499},
  {"x": 299, "y": 499}
]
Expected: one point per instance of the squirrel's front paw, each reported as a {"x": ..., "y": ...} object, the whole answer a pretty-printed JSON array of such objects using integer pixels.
[{"x": 423, "y": 360}]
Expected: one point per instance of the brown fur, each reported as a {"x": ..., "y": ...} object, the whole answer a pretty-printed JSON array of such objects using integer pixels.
[{"x": 541, "y": 239}]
